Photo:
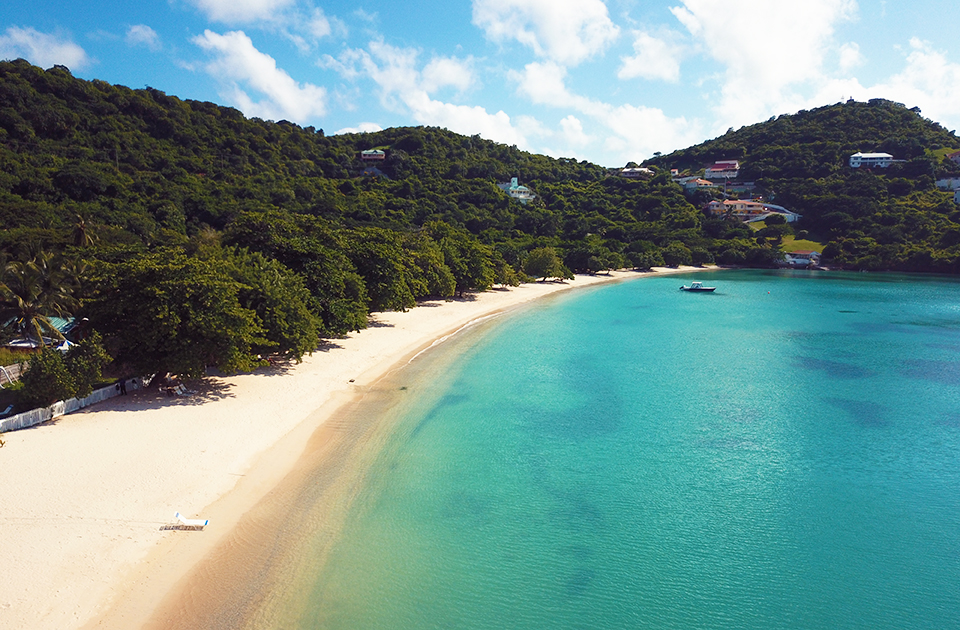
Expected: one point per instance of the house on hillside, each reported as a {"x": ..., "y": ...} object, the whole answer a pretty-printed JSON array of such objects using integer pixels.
[
  {"x": 696, "y": 183},
  {"x": 955, "y": 157},
  {"x": 745, "y": 210},
  {"x": 722, "y": 169},
  {"x": 65, "y": 326},
  {"x": 516, "y": 191},
  {"x": 870, "y": 160},
  {"x": 373, "y": 155},
  {"x": 802, "y": 258},
  {"x": 956, "y": 196},
  {"x": 639, "y": 172},
  {"x": 749, "y": 210},
  {"x": 948, "y": 183}
]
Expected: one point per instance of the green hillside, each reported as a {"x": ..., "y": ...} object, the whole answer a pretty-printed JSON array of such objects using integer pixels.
[
  {"x": 189, "y": 235},
  {"x": 892, "y": 218}
]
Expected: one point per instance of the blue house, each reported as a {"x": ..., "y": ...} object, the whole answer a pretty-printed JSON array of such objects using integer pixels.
[{"x": 518, "y": 192}]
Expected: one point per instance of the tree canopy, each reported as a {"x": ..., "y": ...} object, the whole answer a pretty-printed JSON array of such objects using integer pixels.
[{"x": 208, "y": 238}]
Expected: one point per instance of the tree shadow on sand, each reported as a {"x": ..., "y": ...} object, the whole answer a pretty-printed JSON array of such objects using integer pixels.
[{"x": 195, "y": 392}]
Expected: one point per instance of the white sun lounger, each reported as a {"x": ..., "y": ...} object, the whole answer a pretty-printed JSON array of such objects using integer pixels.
[{"x": 192, "y": 522}]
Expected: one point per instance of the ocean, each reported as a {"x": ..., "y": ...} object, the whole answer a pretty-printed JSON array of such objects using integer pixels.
[{"x": 781, "y": 453}]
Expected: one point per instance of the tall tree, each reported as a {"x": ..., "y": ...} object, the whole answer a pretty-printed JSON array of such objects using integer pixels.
[
  {"x": 280, "y": 300},
  {"x": 164, "y": 312},
  {"x": 543, "y": 263}
]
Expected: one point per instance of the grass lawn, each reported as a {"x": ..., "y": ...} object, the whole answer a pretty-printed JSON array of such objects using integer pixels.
[
  {"x": 12, "y": 357},
  {"x": 792, "y": 244}
]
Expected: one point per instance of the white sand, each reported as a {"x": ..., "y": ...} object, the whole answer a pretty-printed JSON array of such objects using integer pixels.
[{"x": 84, "y": 498}]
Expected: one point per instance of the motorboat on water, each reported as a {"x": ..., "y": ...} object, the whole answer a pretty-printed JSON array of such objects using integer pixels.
[{"x": 697, "y": 287}]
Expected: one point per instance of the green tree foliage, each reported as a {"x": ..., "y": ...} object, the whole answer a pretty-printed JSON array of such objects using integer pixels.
[
  {"x": 282, "y": 304},
  {"x": 165, "y": 312},
  {"x": 310, "y": 247},
  {"x": 156, "y": 176},
  {"x": 544, "y": 263},
  {"x": 470, "y": 263},
  {"x": 85, "y": 362},
  {"x": 52, "y": 375},
  {"x": 676, "y": 254},
  {"x": 46, "y": 379}
]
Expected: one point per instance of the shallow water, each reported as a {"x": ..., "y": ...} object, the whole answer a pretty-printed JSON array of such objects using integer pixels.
[{"x": 782, "y": 453}]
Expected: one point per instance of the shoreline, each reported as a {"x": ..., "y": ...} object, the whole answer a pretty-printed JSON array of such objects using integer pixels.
[{"x": 83, "y": 522}]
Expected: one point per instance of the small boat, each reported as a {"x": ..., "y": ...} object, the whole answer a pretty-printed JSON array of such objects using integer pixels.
[{"x": 697, "y": 286}]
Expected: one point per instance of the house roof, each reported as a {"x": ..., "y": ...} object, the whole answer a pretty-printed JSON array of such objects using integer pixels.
[{"x": 872, "y": 155}]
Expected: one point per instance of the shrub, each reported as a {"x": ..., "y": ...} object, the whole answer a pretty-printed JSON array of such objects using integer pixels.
[
  {"x": 46, "y": 379},
  {"x": 53, "y": 376}
]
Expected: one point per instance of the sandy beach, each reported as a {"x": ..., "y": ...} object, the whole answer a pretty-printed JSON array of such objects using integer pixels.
[{"x": 87, "y": 508}]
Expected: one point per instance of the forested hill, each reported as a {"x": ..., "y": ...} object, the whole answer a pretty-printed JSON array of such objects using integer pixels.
[
  {"x": 145, "y": 168},
  {"x": 189, "y": 235},
  {"x": 147, "y": 209},
  {"x": 892, "y": 218}
]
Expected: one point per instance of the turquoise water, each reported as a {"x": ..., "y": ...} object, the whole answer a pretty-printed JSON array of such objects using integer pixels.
[{"x": 783, "y": 453}]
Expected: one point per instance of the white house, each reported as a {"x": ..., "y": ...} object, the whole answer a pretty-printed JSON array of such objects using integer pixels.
[
  {"x": 518, "y": 192},
  {"x": 696, "y": 183},
  {"x": 639, "y": 172},
  {"x": 723, "y": 169},
  {"x": 955, "y": 156},
  {"x": 789, "y": 215},
  {"x": 802, "y": 258},
  {"x": 949, "y": 183},
  {"x": 372, "y": 155},
  {"x": 870, "y": 160},
  {"x": 956, "y": 196}
]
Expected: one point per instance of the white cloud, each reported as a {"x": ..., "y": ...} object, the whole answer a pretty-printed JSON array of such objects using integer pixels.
[
  {"x": 543, "y": 84},
  {"x": 655, "y": 59},
  {"x": 304, "y": 26},
  {"x": 237, "y": 62},
  {"x": 364, "y": 127},
  {"x": 929, "y": 81},
  {"x": 447, "y": 72},
  {"x": 42, "y": 49},
  {"x": 850, "y": 57},
  {"x": 405, "y": 88},
  {"x": 767, "y": 48},
  {"x": 635, "y": 131},
  {"x": 565, "y": 31},
  {"x": 305, "y": 30},
  {"x": 319, "y": 24},
  {"x": 572, "y": 132},
  {"x": 241, "y": 11},
  {"x": 143, "y": 35}
]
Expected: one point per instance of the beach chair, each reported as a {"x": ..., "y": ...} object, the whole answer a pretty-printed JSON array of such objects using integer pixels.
[{"x": 191, "y": 522}]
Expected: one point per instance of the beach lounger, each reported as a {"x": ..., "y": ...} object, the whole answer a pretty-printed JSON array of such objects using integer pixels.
[{"x": 192, "y": 522}]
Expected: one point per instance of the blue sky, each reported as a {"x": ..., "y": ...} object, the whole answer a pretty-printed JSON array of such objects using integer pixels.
[{"x": 608, "y": 81}]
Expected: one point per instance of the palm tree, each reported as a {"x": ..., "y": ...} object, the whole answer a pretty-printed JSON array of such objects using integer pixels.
[
  {"x": 33, "y": 291},
  {"x": 82, "y": 237}
]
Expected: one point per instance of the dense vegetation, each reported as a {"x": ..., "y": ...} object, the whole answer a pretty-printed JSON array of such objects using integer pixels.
[
  {"x": 892, "y": 218},
  {"x": 191, "y": 236}
]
